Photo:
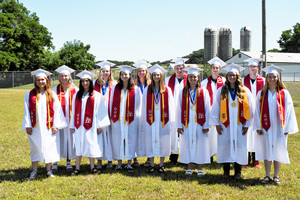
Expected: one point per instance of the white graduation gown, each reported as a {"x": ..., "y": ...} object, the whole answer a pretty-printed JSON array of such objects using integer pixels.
[
  {"x": 157, "y": 139},
  {"x": 43, "y": 144},
  {"x": 104, "y": 139},
  {"x": 212, "y": 134},
  {"x": 177, "y": 88},
  {"x": 272, "y": 145},
  {"x": 86, "y": 141},
  {"x": 141, "y": 135},
  {"x": 232, "y": 145},
  {"x": 124, "y": 137},
  {"x": 66, "y": 139},
  {"x": 194, "y": 144},
  {"x": 251, "y": 134}
]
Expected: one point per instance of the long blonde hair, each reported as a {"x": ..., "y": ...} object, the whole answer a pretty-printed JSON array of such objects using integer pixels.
[
  {"x": 102, "y": 81},
  {"x": 240, "y": 89},
  {"x": 48, "y": 90},
  {"x": 147, "y": 78},
  {"x": 280, "y": 85},
  {"x": 161, "y": 84}
]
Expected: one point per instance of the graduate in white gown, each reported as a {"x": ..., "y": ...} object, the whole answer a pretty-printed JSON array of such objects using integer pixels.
[
  {"x": 193, "y": 123},
  {"x": 158, "y": 117},
  {"x": 142, "y": 80},
  {"x": 254, "y": 82},
  {"x": 275, "y": 119},
  {"x": 43, "y": 117},
  {"x": 104, "y": 84},
  {"x": 232, "y": 113},
  {"x": 125, "y": 112},
  {"x": 212, "y": 84},
  {"x": 65, "y": 91},
  {"x": 87, "y": 122},
  {"x": 176, "y": 82}
]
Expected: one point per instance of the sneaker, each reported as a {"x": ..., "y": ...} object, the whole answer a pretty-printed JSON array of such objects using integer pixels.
[
  {"x": 147, "y": 163},
  {"x": 276, "y": 180},
  {"x": 109, "y": 165},
  {"x": 33, "y": 175},
  {"x": 151, "y": 169},
  {"x": 189, "y": 172},
  {"x": 200, "y": 173},
  {"x": 50, "y": 174},
  {"x": 118, "y": 167},
  {"x": 226, "y": 176},
  {"x": 69, "y": 166},
  {"x": 54, "y": 166},
  {"x": 237, "y": 176},
  {"x": 267, "y": 179},
  {"x": 161, "y": 169},
  {"x": 129, "y": 168},
  {"x": 256, "y": 164},
  {"x": 136, "y": 163}
]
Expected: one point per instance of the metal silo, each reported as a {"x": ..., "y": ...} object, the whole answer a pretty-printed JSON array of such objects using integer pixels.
[
  {"x": 225, "y": 43},
  {"x": 245, "y": 39},
  {"x": 210, "y": 43}
]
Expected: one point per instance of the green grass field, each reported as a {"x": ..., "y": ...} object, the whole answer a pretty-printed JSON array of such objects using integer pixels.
[{"x": 15, "y": 167}]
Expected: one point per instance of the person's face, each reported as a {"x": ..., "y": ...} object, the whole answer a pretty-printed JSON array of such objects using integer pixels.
[
  {"x": 124, "y": 76},
  {"x": 215, "y": 69},
  {"x": 156, "y": 77},
  {"x": 64, "y": 78},
  {"x": 105, "y": 74},
  {"x": 179, "y": 70},
  {"x": 85, "y": 83},
  {"x": 253, "y": 69},
  {"x": 272, "y": 79},
  {"x": 193, "y": 79},
  {"x": 141, "y": 72},
  {"x": 231, "y": 77},
  {"x": 41, "y": 82}
]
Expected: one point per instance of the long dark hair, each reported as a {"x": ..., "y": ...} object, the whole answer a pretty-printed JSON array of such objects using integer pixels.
[
  {"x": 238, "y": 87},
  {"x": 81, "y": 89},
  {"x": 188, "y": 86},
  {"x": 129, "y": 85},
  {"x": 161, "y": 84}
]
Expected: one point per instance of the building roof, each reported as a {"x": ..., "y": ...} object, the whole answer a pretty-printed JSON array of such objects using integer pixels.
[{"x": 275, "y": 57}]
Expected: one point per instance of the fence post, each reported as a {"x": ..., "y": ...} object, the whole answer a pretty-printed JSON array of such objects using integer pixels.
[{"x": 13, "y": 79}]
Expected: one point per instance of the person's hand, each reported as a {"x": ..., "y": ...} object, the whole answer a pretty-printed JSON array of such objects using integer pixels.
[
  {"x": 259, "y": 132},
  {"x": 219, "y": 129},
  {"x": 244, "y": 129},
  {"x": 99, "y": 131},
  {"x": 29, "y": 131},
  {"x": 54, "y": 131},
  {"x": 180, "y": 130},
  {"x": 205, "y": 130},
  {"x": 72, "y": 130}
]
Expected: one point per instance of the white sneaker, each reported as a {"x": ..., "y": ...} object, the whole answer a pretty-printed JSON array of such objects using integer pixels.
[
  {"x": 200, "y": 173},
  {"x": 54, "y": 166},
  {"x": 50, "y": 174},
  {"x": 69, "y": 166},
  {"x": 189, "y": 172},
  {"x": 33, "y": 175}
]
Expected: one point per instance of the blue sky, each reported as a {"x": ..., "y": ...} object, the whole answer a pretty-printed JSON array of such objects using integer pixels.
[{"x": 158, "y": 29}]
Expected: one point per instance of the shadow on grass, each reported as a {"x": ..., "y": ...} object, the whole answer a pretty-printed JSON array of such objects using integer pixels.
[{"x": 176, "y": 173}]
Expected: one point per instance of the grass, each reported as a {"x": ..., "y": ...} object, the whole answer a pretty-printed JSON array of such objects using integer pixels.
[{"x": 15, "y": 167}]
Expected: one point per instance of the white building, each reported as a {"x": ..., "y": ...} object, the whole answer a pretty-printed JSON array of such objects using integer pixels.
[{"x": 290, "y": 62}]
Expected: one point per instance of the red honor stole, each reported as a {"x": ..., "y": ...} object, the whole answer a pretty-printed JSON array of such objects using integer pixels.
[
  {"x": 88, "y": 115},
  {"x": 200, "y": 109},
  {"x": 243, "y": 110},
  {"x": 264, "y": 109},
  {"x": 259, "y": 82},
  {"x": 61, "y": 96},
  {"x": 130, "y": 105},
  {"x": 164, "y": 104},
  {"x": 208, "y": 87},
  {"x": 97, "y": 87},
  {"x": 33, "y": 109},
  {"x": 171, "y": 83}
]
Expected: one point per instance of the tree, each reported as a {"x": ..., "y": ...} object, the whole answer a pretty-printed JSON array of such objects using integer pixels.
[
  {"x": 290, "y": 40},
  {"x": 196, "y": 57},
  {"x": 235, "y": 51},
  {"x": 75, "y": 55},
  {"x": 274, "y": 50},
  {"x": 22, "y": 38}
]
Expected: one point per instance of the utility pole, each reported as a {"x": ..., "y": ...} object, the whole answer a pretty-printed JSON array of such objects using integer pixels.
[{"x": 264, "y": 53}]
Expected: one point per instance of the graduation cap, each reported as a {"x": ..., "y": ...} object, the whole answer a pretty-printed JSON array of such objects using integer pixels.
[
  {"x": 125, "y": 68},
  {"x": 216, "y": 61},
  {"x": 142, "y": 64},
  {"x": 272, "y": 69},
  {"x": 252, "y": 61},
  {"x": 41, "y": 73},
  {"x": 64, "y": 70},
  {"x": 233, "y": 68},
  {"x": 179, "y": 61},
  {"x": 193, "y": 70},
  {"x": 157, "y": 69},
  {"x": 105, "y": 65},
  {"x": 86, "y": 74}
]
